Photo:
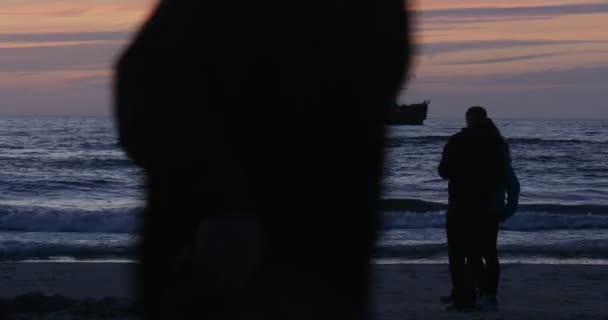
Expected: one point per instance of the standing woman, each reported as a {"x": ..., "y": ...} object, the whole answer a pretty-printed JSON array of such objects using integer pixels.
[{"x": 490, "y": 268}]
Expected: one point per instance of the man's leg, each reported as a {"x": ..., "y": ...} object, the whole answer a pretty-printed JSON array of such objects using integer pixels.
[
  {"x": 459, "y": 238},
  {"x": 491, "y": 272},
  {"x": 455, "y": 257},
  {"x": 473, "y": 265}
]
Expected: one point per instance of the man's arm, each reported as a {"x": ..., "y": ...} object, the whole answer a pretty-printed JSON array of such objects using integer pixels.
[{"x": 445, "y": 164}]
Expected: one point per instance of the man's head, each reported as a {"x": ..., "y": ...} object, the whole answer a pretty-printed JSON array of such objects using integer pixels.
[{"x": 476, "y": 114}]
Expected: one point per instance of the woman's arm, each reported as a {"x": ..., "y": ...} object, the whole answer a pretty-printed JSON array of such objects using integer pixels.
[{"x": 513, "y": 189}]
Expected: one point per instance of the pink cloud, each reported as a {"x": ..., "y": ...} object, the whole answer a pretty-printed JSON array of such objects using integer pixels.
[{"x": 44, "y": 10}]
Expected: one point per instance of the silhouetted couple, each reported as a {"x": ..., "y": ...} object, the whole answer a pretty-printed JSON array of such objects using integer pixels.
[{"x": 477, "y": 163}]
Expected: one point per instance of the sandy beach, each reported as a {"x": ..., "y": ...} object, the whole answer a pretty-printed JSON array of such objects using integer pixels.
[
  {"x": 526, "y": 292},
  {"x": 66, "y": 291},
  {"x": 73, "y": 280},
  {"x": 401, "y": 291}
]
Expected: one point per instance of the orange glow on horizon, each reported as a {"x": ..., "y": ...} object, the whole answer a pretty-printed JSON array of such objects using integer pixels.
[
  {"x": 51, "y": 46},
  {"x": 72, "y": 16}
]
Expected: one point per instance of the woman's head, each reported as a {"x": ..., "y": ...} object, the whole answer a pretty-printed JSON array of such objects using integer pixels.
[{"x": 478, "y": 116}]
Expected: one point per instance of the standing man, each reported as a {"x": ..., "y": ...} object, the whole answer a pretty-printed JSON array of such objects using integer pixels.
[{"x": 476, "y": 162}]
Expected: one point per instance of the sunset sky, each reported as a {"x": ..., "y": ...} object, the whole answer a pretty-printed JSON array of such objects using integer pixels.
[{"x": 518, "y": 58}]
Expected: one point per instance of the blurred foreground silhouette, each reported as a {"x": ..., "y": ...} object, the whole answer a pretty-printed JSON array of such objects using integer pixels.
[{"x": 260, "y": 129}]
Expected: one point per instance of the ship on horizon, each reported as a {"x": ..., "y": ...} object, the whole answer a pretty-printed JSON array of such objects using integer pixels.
[{"x": 408, "y": 114}]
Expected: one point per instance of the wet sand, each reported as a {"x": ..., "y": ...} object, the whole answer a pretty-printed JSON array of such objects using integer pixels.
[{"x": 401, "y": 291}]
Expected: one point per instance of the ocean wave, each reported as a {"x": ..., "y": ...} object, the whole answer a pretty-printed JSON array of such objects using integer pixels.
[
  {"x": 412, "y": 251},
  {"x": 11, "y": 146},
  {"x": 545, "y": 141},
  {"x": 17, "y": 251},
  {"x": 425, "y": 216},
  {"x": 584, "y": 248},
  {"x": 533, "y": 222},
  {"x": 39, "y": 219},
  {"x": 522, "y": 221},
  {"x": 396, "y": 141},
  {"x": 411, "y": 205},
  {"x": 82, "y": 186},
  {"x": 90, "y": 163},
  {"x": 81, "y": 162},
  {"x": 421, "y": 206}
]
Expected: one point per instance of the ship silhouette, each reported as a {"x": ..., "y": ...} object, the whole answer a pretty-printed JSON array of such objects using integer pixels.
[{"x": 408, "y": 114}]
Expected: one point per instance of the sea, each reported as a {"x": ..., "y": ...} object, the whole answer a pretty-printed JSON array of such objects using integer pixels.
[{"x": 69, "y": 193}]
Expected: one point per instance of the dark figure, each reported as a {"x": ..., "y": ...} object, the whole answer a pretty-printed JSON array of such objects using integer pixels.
[
  {"x": 488, "y": 279},
  {"x": 260, "y": 130},
  {"x": 478, "y": 165}
]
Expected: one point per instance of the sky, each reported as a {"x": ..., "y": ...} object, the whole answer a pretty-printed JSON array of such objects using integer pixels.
[{"x": 517, "y": 58}]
